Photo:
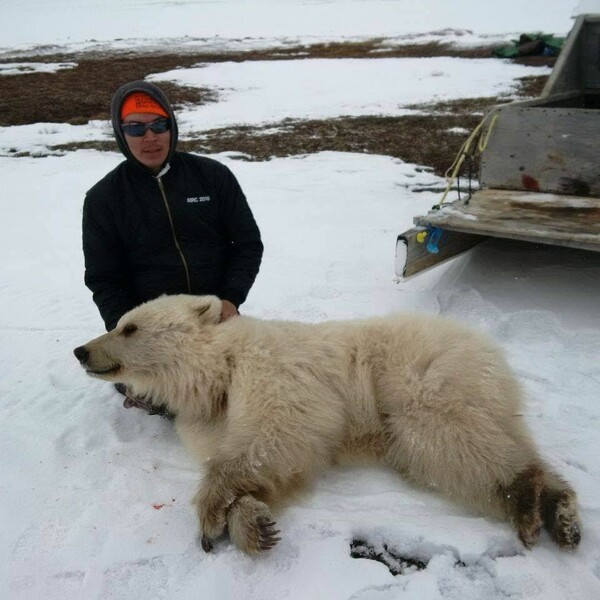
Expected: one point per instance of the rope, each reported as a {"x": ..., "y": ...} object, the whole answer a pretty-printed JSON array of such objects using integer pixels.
[{"x": 465, "y": 151}]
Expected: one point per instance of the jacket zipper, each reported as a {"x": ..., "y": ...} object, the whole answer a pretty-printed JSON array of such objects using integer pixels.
[{"x": 185, "y": 266}]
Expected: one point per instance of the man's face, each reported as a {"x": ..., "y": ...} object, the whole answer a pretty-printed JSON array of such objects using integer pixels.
[{"x": 152, "y": 148}]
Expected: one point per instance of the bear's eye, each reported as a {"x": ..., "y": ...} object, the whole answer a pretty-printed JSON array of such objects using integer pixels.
[{"x": 129, "y": 329}]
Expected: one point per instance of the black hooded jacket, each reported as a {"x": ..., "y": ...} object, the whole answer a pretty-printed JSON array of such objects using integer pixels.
[{"x": 187, "y": 230}]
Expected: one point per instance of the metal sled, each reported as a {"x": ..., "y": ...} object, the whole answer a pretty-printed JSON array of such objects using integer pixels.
[{"x": 539, "y": 172}]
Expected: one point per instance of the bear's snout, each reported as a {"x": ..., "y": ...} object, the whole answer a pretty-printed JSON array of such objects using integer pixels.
[
  {"x": 81, "y": 354},
  {"x": 94, "y": 358}
]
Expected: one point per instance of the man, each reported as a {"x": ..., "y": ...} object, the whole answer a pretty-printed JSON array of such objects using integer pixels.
[{"x": 164, "y": 222}]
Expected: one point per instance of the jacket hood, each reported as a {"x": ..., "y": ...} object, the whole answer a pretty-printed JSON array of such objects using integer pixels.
[{"x": 115, "y": 111}]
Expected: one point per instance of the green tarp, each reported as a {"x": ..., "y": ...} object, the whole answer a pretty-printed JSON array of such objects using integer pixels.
[{"x": 531, "y": 43}]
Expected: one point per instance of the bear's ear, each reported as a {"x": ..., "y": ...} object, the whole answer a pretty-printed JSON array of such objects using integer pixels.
[
  {"x": 200, "y": 310},
  {"x": 208, "y": 312}
]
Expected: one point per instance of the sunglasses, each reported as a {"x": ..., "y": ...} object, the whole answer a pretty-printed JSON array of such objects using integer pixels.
[{"x": 139, "y": 129}]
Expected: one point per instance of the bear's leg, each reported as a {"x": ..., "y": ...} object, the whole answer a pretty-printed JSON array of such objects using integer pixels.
[
  {"x": 475, "y": 461},
  {"x": 538, "y": 497},
  {"x": 522, "y": 498},
  {"x": 226, "y": 483},
  {"x": 559, "y": 511},
  {"x": 211, "y": 506},
  {"x": 251, "y": 526}
]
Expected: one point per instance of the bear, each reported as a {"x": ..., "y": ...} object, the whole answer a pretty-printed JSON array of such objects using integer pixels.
[{"x": 264, "y": 405}]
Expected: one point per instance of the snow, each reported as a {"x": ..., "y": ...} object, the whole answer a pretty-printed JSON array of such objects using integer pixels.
[
  {"x": 260, "y": 92},
  {"x": 23, "y": 68},
  {"x": 263, "y": 92},
  {"x": 95, "y": 498},
  {"x": 128, "y": 22},
  {"x": 38, "y": 139}
]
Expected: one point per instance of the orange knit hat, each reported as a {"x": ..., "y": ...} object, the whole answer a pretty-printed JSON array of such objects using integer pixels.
[{"x": 140, "y": 102}]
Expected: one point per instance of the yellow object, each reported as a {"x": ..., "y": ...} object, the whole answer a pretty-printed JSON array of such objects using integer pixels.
[{"x": 421, "y": 236}]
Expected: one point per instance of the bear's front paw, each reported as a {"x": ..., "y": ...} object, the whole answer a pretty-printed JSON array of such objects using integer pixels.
[
  {"x": 212, "y": 512},
  {"x": 251, "y": 526}
]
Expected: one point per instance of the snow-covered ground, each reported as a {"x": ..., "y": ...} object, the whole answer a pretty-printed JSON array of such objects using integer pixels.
[
  {"x": 207, "y": 22},
  {"x": 95, "y": 499},
  {"x": 267, "y": 92}
]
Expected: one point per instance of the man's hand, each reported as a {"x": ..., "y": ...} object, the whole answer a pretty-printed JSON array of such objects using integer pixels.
[{"x": 228, "y": 310}]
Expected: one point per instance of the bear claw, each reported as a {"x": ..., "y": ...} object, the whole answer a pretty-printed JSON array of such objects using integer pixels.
[{"x": 267, "y": 535}]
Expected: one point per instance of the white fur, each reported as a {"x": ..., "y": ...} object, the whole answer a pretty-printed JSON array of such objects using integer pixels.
[{"x": 265, "y": 404}]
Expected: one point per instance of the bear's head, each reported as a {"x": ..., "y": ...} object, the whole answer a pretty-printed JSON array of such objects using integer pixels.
[{"x": 150, "y": 339}]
